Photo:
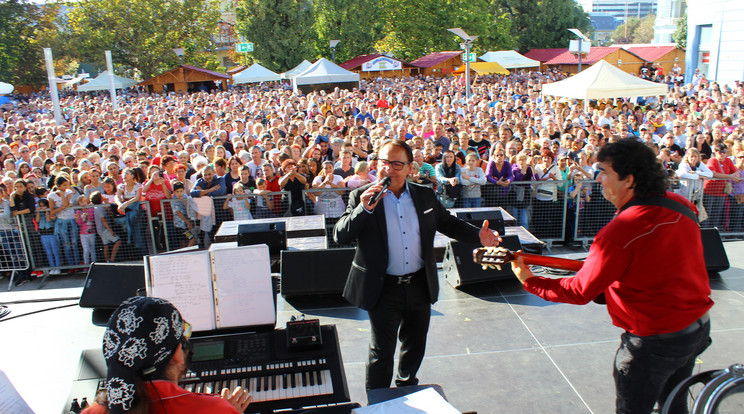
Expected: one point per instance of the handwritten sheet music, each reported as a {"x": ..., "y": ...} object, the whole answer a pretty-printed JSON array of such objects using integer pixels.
[
  {"x": 243, "y": 288},
  {"x": 185, "y": 280}
]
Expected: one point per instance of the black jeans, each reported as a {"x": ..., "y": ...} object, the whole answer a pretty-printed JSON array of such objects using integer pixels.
[
  {"x": 647, "y": 369},
  {"x": 403, "y": 311}
]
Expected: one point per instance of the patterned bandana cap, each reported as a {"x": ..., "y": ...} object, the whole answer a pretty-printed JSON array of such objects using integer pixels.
[{"x": 141, "y": 337}]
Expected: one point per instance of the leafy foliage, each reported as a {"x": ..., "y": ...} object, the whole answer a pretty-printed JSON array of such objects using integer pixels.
[
  {"x": 281, "y": 31},
  {"x": 545, "y": 23},
  {"x": 356, "y": 24},
  {"x": 680, "y": 35},
  {"x": 638, "y": 30},
  {"x": 22, "y": 28},
  {"x": 140, "y": 33}
]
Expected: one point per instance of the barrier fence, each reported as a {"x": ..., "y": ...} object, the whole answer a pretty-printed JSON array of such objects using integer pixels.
[{"x": 553, "y": 211}]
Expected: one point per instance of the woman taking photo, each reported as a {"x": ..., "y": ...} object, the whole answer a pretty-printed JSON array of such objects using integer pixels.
[
  {"x": 329, "y": 203},
  {"x": 294, "y": 183}
]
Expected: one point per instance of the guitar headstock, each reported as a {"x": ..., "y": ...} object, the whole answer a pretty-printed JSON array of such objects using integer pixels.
[{"x": 492, "y": 257}]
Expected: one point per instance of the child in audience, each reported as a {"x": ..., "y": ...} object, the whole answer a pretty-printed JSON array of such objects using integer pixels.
[
  {"x": 86, "y": 221},
  {"x": 45, "y": 220},
  {"x": 185, "y": 229},
  {"x": 239, "y": 203},
  {"x": 246, "y": 179},
  {"x": 263, "y": 203},
  {"x": 103, "y": 227}
]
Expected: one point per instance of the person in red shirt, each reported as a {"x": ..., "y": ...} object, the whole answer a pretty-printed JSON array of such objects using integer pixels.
[
  {"x": 714, "y": 197},
  {"x": 147, "y": 350},
  {"x": 272, "y": 184},
  {"x": 659, "y": 297}
]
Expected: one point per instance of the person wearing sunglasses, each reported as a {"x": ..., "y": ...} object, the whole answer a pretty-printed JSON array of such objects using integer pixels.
[
  {"x": 393, "y": 276},
  {"x": 147, "y": 350}
]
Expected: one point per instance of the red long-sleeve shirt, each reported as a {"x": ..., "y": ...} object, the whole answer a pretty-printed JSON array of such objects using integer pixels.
[{"x": 649, "y": 263}]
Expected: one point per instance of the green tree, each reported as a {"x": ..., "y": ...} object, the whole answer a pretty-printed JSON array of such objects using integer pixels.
[
  {"x": 281, "y": 31},
  {"x": 356, "y": 24},
  {"x": 141, "y": 33},
  {"x": 680, "y": 35},
  {"x": 22, "y": 26},
  {"x": 544, "y": 23},
  {"x": 635, "y": 30}
]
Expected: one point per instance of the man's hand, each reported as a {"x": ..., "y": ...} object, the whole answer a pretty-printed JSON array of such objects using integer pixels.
[
  {"x": 521, "y": 270},
  {"x": 488, "y": 237},
  {"x": 239, "y": 398},
  {"x": 368, "y": 193}
]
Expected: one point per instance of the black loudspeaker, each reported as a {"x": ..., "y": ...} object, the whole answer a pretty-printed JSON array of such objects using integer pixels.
[
  {"x": 315, "y": 272},
  {"x": 716, "y": 259},
  {"x": 494, "y": 217},
  {"x": 108, "y": 284},
  {"x": 273, "y": 235},
  {"x": 460, "y": 269}
]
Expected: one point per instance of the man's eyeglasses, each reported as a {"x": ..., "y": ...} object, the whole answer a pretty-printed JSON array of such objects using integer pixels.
[{"x": 396, "y": 165}]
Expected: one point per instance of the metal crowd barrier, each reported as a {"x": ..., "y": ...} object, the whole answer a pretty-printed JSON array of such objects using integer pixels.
[
  {"x": 64, "y": 247},
  {"x": 13, "y": 252},
  {"x": 553, "y": 211}
]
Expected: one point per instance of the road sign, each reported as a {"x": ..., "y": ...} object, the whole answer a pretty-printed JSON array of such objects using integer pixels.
[
  {"x": 244, "y": 47},
  {"x": 472, "y": 57}
]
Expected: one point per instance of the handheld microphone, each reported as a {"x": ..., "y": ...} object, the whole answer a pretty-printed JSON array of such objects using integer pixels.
[{"x": 385, "y": 184}]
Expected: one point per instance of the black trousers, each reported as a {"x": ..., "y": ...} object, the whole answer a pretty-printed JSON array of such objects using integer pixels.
[{"x": 403, "y": 312}]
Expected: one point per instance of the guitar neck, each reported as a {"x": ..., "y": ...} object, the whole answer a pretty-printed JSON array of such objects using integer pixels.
[{"x": 551, "y": 262}]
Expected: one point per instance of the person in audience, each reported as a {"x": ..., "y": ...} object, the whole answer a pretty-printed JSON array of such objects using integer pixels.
[
  {"x": 85, "y": 219},
  {"x": 49, "y": 240},
  {"x": 239, "y": 203},
  {"x": 473, "y": 178},
  {"x": 103, "y": 227}
]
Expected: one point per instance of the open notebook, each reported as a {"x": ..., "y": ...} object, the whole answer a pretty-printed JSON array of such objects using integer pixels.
[{"x": 224, "y": 287}]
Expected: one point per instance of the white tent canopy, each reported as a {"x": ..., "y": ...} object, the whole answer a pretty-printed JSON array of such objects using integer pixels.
[
  {"x": 101, "y": 83},
  {"x": 510, "y": 59},
  {"x": 325, "y": 71},
  {"x": 292, "y": 73},
  {"x": 5, "y": 88},
  {"x": 602, "y": 80},
  {"x": 255, "y": 73}
]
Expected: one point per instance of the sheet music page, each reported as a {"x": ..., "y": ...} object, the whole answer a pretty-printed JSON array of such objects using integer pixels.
[
  {"x": 186, "y": 281},
  {"x": 426, "y": 401},
  {"x": 245, "y": 295},
  {"x": 10, "y": 400}
]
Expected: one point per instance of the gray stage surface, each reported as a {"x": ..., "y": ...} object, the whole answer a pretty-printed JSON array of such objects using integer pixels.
[{"x": 492, "y": 347}]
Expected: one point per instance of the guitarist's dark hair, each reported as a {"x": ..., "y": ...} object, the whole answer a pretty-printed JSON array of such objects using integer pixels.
[{"x": 631, "y": 157}]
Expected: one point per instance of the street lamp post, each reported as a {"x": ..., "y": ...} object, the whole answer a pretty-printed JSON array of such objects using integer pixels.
[
  {"x": 582, "y": 38},
  {"x": 333, "y": 45},
  {"x": 467, "y": 43},
  {"x": 179, "y": 52}
]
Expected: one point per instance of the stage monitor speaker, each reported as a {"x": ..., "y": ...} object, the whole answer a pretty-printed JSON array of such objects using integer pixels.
[
  {"x": 273, "y": 235},
  {"x": 315, "y": 272},
  {"x": 494, "y": 217},
  {"x": 459, "y": 268},
  {"x": 108, "y": 284},
  {"x": 716, "y": 259}
]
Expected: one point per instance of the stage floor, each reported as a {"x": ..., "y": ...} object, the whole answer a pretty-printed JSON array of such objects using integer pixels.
[{"x": 492, "y": 347}]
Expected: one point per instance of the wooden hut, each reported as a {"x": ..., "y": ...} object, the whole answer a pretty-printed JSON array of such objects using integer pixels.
[
  {"x": 567, "y": 62},
  {"x": 186, "y": 78},
  {"x": 664, "y": 55},
  {"x": 439, "y": 63},
  {"x": 376, "y": 65}
]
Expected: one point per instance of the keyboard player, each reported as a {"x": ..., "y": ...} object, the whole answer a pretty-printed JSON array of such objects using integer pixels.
[{"x": 147, "y": 350}]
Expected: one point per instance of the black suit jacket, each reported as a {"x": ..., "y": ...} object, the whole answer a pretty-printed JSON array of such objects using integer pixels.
[{"x": 367, "y": 273}]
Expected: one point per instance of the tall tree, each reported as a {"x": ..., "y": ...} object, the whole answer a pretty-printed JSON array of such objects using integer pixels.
[
  {"x": 281, "y": 31},
  {"x": 680, "y": 35},
  {"x": 141, "y": 33},
  {"x": 635, "y": 30},
  {"x": 22, "y": 26},
  {"x": 545, "y": 23},
  {"x": 356, "y": 24}
]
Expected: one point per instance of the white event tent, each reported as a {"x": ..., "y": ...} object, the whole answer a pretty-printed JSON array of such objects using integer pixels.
[
  {"x": 5, "y": 88},
  {"x": 255, "y": 73},
  {"x": 602, "y": 80},
  {"x": 510, "y": 59},
  {"x": 292, "y": 73},
  {"x": 325, "y": 75},
  {"x": 101, "y": 83}
]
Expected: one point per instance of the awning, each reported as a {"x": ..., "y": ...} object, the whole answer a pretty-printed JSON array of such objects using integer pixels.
[{"x": 484, "y": 68}]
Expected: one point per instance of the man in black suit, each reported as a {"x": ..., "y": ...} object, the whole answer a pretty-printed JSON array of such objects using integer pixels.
[{"x": 394, "y": 275}]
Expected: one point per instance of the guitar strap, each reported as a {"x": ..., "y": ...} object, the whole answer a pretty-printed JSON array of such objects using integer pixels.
[{"x": 665, "y": 202}]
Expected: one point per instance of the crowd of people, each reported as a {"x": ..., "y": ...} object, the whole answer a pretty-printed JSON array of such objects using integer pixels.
[{"x": 81, "y": 187}]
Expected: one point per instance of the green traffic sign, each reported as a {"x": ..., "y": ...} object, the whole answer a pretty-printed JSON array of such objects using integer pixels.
[{"x": 243, "y": 47}]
